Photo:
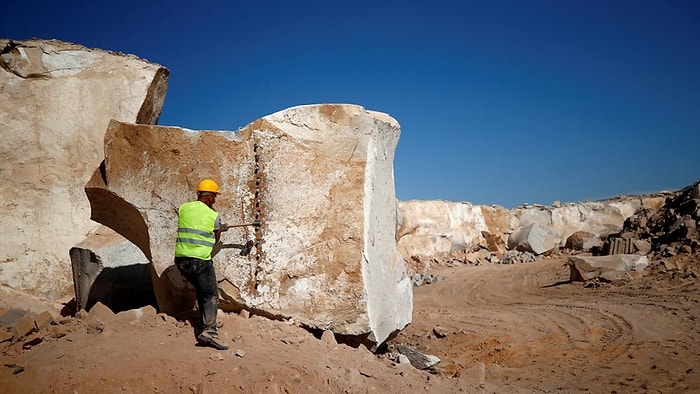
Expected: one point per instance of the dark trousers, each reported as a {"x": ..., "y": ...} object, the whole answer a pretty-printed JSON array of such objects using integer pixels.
[{"x": 200, "y": 273}]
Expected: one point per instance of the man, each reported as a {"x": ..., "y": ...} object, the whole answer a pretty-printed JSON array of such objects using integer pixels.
[{"x": 199, "y": 229}]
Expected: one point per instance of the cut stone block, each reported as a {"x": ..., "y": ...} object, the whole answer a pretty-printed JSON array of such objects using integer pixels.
[
  {"x": 318, "y": 177},
  {"x": 5, "y": 336},
  {"x": 532, "y": 238},
  {"x": 614, "y": 267}
]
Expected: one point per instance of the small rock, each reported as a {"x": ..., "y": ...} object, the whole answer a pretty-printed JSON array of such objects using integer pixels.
[
  {"x": 418, "y": 359},
  {"x": 101, "y": 312},
  {"x": 328, "y": 337},
  {"x": 43, "y": 320},
  {"x": 23, "y": 327},
  {"x": 240, "y": 353},
  {"x": 217, "y": 356},
  {"x": 5, "y": 336},
  {"x": 95, "y": 326},
  {"x": 439, "y": 332}
]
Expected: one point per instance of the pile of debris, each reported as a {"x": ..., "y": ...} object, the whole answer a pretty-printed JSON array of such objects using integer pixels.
[
  {"x": 671, "y": 230},
  {"x": 463, "y": 257}
]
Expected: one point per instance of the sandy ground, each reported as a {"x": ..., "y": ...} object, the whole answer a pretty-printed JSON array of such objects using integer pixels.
[{"x": 502, "y": 329}]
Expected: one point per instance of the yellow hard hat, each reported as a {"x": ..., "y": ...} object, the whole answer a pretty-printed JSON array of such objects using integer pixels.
[{"x": 207, "y": 185}]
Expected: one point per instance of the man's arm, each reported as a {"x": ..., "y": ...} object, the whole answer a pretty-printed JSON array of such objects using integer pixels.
[{"x": 217, "y": 229}]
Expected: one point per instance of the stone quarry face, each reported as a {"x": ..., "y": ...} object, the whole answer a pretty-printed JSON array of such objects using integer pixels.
[
  {"x": 56, "y": 100},
  {"x": 435, "y": 228},
  {"x": 320, "y": 180}
]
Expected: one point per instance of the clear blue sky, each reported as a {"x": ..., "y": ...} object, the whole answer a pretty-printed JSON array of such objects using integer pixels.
[{"x": 500, "y": 102}]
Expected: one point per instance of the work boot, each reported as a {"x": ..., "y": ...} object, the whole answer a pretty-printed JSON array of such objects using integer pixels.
[{"x": 211, "y": 339}]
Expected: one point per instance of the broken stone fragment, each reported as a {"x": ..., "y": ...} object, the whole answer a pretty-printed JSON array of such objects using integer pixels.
[
  {"x": 320, "y": 180},
  {"x": 43, "y": 320},
  {"x": 493, "y": 242},
  {"x": 418, "y": 359},
  {"x": 402, "y": 359},
  {"x": 440, "y": 332},
  {"x": 23, "y": 327}
]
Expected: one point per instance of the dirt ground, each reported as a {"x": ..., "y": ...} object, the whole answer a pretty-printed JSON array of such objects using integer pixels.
[{"x": 520, "y": 328}]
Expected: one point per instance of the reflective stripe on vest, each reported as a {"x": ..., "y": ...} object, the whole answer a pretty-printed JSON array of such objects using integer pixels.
[{"x": 195, "y": 232}]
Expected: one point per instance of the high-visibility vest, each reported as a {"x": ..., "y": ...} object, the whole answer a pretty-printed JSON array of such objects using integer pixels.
[{"x": 195, "y": 230}]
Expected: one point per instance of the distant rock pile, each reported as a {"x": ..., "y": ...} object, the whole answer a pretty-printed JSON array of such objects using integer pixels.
[
  {"x": 477, "y": 234},
  {"x": 668, "y": 236},
  {"x": 664, "y": 230},
  {"x": 663, "y": 242},
  {"x": 672, "y": 229}
]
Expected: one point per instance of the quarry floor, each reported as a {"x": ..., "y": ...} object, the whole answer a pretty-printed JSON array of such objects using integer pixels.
[{"x": 503, "y": 329}]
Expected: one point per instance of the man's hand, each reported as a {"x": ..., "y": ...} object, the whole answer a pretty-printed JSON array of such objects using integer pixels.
[{"x": 224, "y": 226}]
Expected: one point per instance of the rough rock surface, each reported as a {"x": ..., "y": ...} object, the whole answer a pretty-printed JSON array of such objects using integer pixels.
[
  {"x": 672, "y": 229},
  {"x": 583, "y": 241},
  {"x": 319, "y": 178},
  {"x": 56, "y": 100}
]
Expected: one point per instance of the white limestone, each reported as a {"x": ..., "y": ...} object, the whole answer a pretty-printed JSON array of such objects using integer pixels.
[
  {"x": 326, "y": 253},
  {"x": 433, "y": 228},
  {"x": 56, "y": 100},
  {"x": 613, "y": 267}
]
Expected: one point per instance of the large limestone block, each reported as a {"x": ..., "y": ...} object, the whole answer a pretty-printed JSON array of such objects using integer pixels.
[
  {"x": 56, "y": 100},
  {"x": 610, "y": 268},
  {"x": 533, "y": 238},
  {"x": 319, "y": 178}
]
